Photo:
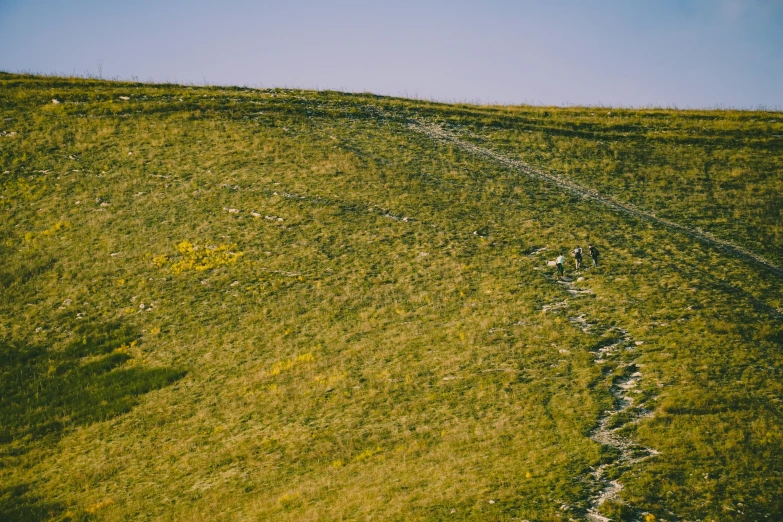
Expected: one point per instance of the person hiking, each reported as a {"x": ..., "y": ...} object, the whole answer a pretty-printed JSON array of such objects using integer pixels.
[
  {"x": 594, "y": 254},
  {"x": 577, "y": 253},
  {"x": 559, "y": 262}
]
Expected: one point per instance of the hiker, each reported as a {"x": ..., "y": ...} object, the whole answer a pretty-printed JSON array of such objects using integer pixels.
[
  {"x": 560, "y": 261},
  {"x": 594, "y": 254},
  {"x": 577, "y": 253}
]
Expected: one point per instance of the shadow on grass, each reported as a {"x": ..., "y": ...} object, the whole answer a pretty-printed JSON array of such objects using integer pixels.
[
  {"x": 17, "y": 504},
  {"x": 45, "y": 391}
]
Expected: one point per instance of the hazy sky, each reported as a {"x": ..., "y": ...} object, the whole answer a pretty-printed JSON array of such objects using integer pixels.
[{"x": 684, "y": 53}]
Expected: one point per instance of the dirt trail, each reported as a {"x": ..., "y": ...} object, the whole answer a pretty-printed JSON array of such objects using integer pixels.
[
  {"x": 624, "y": 412},
  {"x": 438, "y": 133}
]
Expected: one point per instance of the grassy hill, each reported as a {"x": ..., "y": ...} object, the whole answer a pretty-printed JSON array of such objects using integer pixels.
[{"x": 237, "y": 304}]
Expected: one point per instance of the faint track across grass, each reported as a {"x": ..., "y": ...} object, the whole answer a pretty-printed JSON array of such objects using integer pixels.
[{"x": 438, "y": 133}]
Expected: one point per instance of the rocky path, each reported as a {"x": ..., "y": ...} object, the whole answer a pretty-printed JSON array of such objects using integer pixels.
[{"x": 625, "y": 381}]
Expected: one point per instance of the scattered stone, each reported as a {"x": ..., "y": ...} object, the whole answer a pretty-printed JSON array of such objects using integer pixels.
[
  {"x": 554, "y": 306},
  {"x": 124, "y": 98},
  {"x": 56, "y": 102}
]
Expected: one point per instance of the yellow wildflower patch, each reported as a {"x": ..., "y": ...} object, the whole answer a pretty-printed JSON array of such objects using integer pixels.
[
  {"x": 51, "y": 231},
  {"x": 366, "y": 454},
  {"x": 196, "y": 258},
  {"x": 288, "y": 500},
  {"x": 99, "y": 505},
  {"x": 330, "y": 379},
  {"x": 283, "y": 366}
]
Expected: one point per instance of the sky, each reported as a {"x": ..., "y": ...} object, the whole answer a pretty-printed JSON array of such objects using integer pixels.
[{"x": 640, "y": 53}]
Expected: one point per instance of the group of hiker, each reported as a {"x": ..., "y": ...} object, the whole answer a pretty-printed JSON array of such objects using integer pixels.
[{"x": 577, "y": 255}]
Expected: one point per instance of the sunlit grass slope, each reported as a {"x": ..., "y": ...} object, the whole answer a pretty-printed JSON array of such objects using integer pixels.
[{"x": 235, "y": 304}]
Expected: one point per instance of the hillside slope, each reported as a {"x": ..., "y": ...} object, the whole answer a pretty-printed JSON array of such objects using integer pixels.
[{"x": 237, "y": 304}]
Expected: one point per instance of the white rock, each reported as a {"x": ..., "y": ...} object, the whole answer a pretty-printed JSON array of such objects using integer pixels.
[
  {"x": 124, "y": 98},
  {"x": 56, "y": 102}
]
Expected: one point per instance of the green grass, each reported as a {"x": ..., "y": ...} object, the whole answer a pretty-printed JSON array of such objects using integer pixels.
[{"x": 356, "y": 329}]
